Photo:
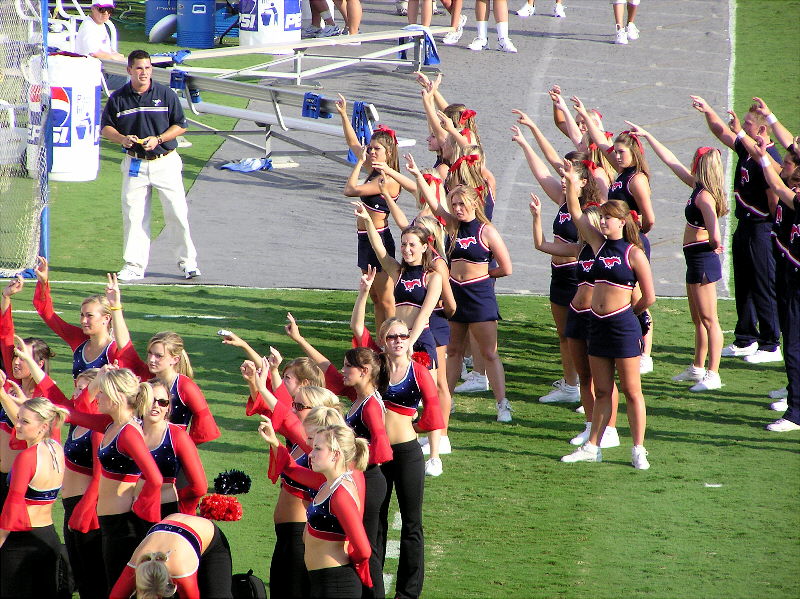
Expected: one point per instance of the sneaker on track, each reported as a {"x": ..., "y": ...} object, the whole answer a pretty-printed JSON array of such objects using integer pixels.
[
  {"x": 558, "y": 11},
  {"x": 763, "y": 356},
  {"x": 526, "y": 11},
  {"x": 478, "y": 44},
  {"x": 563, "y": 393},
  {"x": 622, "y": 37},
  {"x": 504, "y": 411},
  {"x": 633, "y": 32},
  {"x": 506, "y": 45}
]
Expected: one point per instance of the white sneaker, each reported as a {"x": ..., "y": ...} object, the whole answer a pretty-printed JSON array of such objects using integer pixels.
[
  {"x": 763, "y": 356},
  {"x": 311, "y": 31},
  {"x": 558, "y": 11},
  {"x": 477, "y": 383},
  {"x": 585, "y": 453},
  {"x": 610, "y": 438},
  {"x": 710, "y": 382},
  {"x": 479, "y": 43},
  {"x": 779, "y": 393},
  {"x": 401, "y": 9},
  {"x": 130, "y": 273},
  {"x": 563, "y": 393},
  {"x": 329, "y": 31},
  {"x": 191, "y": 273},
  {"x": 451, "y": 38},
  {"x": 639, "y": 457},
  {"x": 526, "y": 11},
  {"x": 504, "y": 44},
  {"x": 444, "y": 446},
  {"x": 779, "y": 406},
  {"x": 582, "y": 437},
  {"x": 734, "y": 351},
  {"x": 433, "y": 467},
  {"x": 692, "y": 373},
  {"x": 645, "y": 364},
  {"x": 781, "y": 425},
  {"x": 580, "y": 410},
  {"x": 504, "y": 411},
  {"x": 622, "y": 36},
  {"x": 633, "y": 32}
]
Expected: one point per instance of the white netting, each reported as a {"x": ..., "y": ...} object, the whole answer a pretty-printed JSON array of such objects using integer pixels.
[{"x": 23, "y": 110}]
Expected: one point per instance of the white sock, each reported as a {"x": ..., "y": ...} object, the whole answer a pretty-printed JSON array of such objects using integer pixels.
[
  {"x": 325, "y": 15},
  {"x": 502, "y": 30},
  {"x": 483, "y": 29}
]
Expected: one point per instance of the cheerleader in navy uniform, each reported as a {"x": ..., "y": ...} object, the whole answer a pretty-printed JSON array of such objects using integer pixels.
[
  {"x": 702, "y": 246},
  {"x": 615, "y": 339},
  {"x": 29, "y": 544},
  {"x": 469, "y": 168},
  {"x": 382, "y": 148}
]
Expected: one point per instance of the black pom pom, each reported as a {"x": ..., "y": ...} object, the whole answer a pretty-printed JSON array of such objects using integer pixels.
[{"x": 232, "y": 482}]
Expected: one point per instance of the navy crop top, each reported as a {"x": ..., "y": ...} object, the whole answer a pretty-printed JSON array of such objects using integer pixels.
[
  {"x": 165, "y": 458},
  {"x": 467, "y": 245},
  {"x": 563, "y": 227},
  {"x": 694, "y": 217},
  {"x": 618, "y": 190},
  {"x": 612, "y": 264},
  {"x": 356, "y": 422},
  {"x": 179, "y": 412},
  {"x": 78, "y": 451},
  {"x": 322, "y": 523},
  {"x": 488, "y": 202},
  {"x": 115, "y": 464},
  {"x": 180, "y": 529},
  {"x": 295, "y": 488},
  {"x": 584, "y": 272},
  {"x": 411, "y": 287},
  {"x": 80, "y": 363},
  {"x": 376, "y": 202},
  {"x": 404, "y": 397}
]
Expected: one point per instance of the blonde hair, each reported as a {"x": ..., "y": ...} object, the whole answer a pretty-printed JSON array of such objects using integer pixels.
[
  {"x": 306, "y": 370},
  {"x": 50, "y": 414},
  {"x": 471, "y": 198},
  {"x": 454, "y": 111},
  {"x": 633, "y": 143},
  {"x": 89, "y": 374},
  {"x": 593, "y": 216},
  {"x": 323, "y": 416},
  {"x": 152, "y": 577},
  {"x": 105, "y": 307},
  {"x": 173, "y": 345},
  {"x": 468, "y": 174},
  {"x": 122, "y": 384},
  {"x": 318, "y": 396},
  {"x": 434, "y": 229},
  {"x": 709, "y": 174},
  {"x": 340, "y": 437}
]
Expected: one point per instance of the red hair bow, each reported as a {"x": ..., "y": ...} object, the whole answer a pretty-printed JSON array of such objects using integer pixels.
[
  {"x": 466, "y": 115},
  {"x": 430, "y": 179},
  {"x": 635, "y": 216},
  {"x": 592, "y": 147},
  {"x": 597, "y": 112},
  {"x": 467, "y": 132},
  {"x": 700, "y": 152},
  {"x": 590, "y": 165},
  {"x": 591, "y": 205},
  {"x": 469, "y": 159},
  {"x": 431, "y": 239},
  {"x": 608, "y": 134},
  {"x": 635, "y": 138},
  {"x": 385, "y": 129}
]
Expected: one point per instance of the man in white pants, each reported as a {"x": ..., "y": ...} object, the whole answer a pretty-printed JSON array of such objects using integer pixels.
[
  {"x": 92, "y": 38},
  {"x": 145, "y": 117}
]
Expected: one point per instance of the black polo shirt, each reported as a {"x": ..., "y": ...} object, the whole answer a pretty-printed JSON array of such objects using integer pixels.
[
  {"x": 144, "y": 115},
  {"x": 749, "y": 185}
]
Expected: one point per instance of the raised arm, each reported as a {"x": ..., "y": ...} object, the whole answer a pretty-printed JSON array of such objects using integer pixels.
[
  {"x": 360, "y": 305},
  {"x": 586, "y": 229},
  {"x": 539, "y": 242},
  {"x": 665, "y": 155},
  {"x": 432, "y": 295},
  {"x": 43, "y": 303},
  {"x": 430, "y": 108},
  {"x": 597, "y": 135},
  {"x": 389, "y": 264},
  {"x": 776, "y": 184},
  {"x": 293, "y": 331},
  {"x": 544, "y": 144},
  {"x": 236, "y": 341},
  {"x": 14, "y": 286},
  {"x": 447, "y": 124},
  {"x": 121, "y": 334},
  {"x": 9, "y": 402},
  {"x": 550, "y": 185},
  {"x": 715, "y": 124},
  {"x": 405, "y": 182},
  {"x": 428, "y": 194},
  {"x": 350, "y": 137},
  {"x": 562, "y": 116},
  {"x": 782, "y": 134}
]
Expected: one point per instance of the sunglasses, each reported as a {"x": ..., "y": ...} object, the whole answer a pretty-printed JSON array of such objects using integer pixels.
[
  {"x": 164, "y": 403},
  {"x": 299, "y": 407},
  {"x": 395, "y": 336},
  {"x": 107, "y": 9}
]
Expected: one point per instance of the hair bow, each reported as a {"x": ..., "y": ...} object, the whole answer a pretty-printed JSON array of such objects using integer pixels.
[
  {"x": 590, "y": 165},
  {"x": 387, "y": 130},
  {"x": 597, "y": 112},
  {"x": 469, "y": 159},
  {"x": 591, "y": 204},
  {"x": 480, "y": 189},
  {"x": 635, "y": 138},
  {"x": 635, "y": 216},
  {"x": 592, "y": 147},
  {"x": 466, "y": 115},
  {"x": 700, "y": 152},
  {"x": 608, "y": 134},
  {"x": 431, "y": 239},
  {"x": 467, "y": 132},
  {"x": 430, "y": 179}
]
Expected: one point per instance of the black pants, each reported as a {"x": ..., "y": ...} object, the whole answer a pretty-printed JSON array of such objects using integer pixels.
[
  {"x": 791, "y": 344},
  {"x": 375, "y": 494},
  {"x": 28, "y": 564},
  {"x": 406, "y": 473},
  {"x": 341, "y": 582},
  {"x": 754, "y": 282},
  {"x": 288, "y": 576},
  {"x": 121, "y": 535},
  {"x": 169, "y": 508},
  {"x": 215, "y": 572},
  {"x": 85, "y": 551},
  {"x": 3, "y": 489}
]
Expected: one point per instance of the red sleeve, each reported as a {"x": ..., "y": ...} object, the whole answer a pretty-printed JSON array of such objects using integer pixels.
[
  {"x": 44, "y": 306},
  {"x": 129, "y": 358},
  {"x": 186, "y": 452},
  {"x": 14, "y": 443},
  {"x": 83, "y": 403},
  {"x": 257, "y": 405},
  {"x": 47, "y": 388},
  {"x": 281, "y": 462},
  {"x": 15, "y": 512},
  {"x": 125, "y": 585},
  {"x": 366, "y": 341},
  {"x": 7, "y": 340},
  {"x": 334, "y": 383},
  {"x": 344, "y": 507},
  {"x": 148, "y": 505},
  {"x": 287, "y": 423},
  {"x": 84, "y": 516},
  {"x": 202, "y": 427},
  {"x": 380, "y": 450},
  {"x": 432, "y": 413},
  {"x": 282, "y": 395},
  {"x": 187, "y": 587},
  {"x": 96, "y": 422}
]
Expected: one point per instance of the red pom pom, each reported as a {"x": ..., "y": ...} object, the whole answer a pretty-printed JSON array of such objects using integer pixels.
[
  {"x": 422, "y": 357},
  {"x": 221, "y": 507}
]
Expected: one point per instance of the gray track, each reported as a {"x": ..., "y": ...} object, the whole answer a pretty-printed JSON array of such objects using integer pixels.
[{"x": 294, "y": 228}]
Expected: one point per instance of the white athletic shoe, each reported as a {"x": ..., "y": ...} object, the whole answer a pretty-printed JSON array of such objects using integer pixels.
[
  {"x": 633, "y": 32},
  {"x": 444, "y": 446},
  {"x": 191, "y": 272},
  {"x": 504, "y": 44},
  {"x": 504, "y": 411},
  {"x": 453, "y": 37},
  {"x": 476, "y": 383},
  {"x": 311, "y": 31},
  {"x": 582, "y": 437},
  {"x": 585, "y": 453},
  {"x": 779, "y": 406},
  {"x": 639, "y": 457},
  {"x": 401, "y": 8},
  {"x": 622, "y": 36},
  {"x": 478, "y": 44},
  {"x": 433, "y": 467},
  {"x": 692, "y": 373},
  {"x": 763, "y": 356},
  {"x": 330, "y": 31},
  {"x": 779, "y": 393},
  {"x": 526, "y": 11},
  {"x": 580, "y": 410},
  {"x": 734, "y": 351},
  {"x": 645, "y": 364},
  {"x": 130, "y": 273},
  {"x": 781, "y": 425},
  {"x": 710, "y": 382},
  {"x": 563, "y": 393},
  {"x": 558, "y": 11},
  {"x": 610, "y": 438}
]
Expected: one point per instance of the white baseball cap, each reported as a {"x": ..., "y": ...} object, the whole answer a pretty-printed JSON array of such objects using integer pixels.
[{"x": 104, "y": 3}]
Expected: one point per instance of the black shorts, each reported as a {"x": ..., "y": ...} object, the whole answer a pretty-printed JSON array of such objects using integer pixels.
[
  {"x": 702, "y": 264},
  {"x": 475, "y": 300},
  {"x": 366, "y": 255},
  {"x": 615, "y": 335},
  {"x": 440, "y": 328},
  {"x": 563, "y": 283}
]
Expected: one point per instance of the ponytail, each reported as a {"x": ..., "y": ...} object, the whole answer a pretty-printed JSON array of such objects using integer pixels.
[{"x": 143, "y": 399}]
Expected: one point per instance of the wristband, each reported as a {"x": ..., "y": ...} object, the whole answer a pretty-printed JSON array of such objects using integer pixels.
[
  {"x": 160, "y": 141},
  {"x": 771, "y": 118},
  {"x": 765, "y": 161},
  {"x": 115, "y": 308},
  {"x": 741, "y": 134}
]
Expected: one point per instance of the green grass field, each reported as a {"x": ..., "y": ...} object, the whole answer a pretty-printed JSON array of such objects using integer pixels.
[{"x": 715, "y": 516}]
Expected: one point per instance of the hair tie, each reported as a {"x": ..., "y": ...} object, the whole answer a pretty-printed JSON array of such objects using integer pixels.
[
  {"x": 700, "y": 152},
  {"x": 597, "y": 112},
  {"x": 469, "y": 159},
  {"x": 430, "y": 179},
  {"x": 634, "y": 215},
  {"x": 635, "y": 138},
  {"x": 441, "y": 220},
  {"x": 591, "y": 204},
  {"x": 592, "y": 147},
  {"x": 385, "y": 129},
  {"x": 608, "y": 134},
  {"x": 480, "y": 189},
  {"x": 467, "y": 132},
  {"x": 431, "y": 239},
  {"x": 589, "y": 165},
  {"x": 466, "y": 115}
]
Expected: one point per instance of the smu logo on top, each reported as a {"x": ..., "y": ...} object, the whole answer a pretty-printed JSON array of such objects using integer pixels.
[
  {"x": 616, "y": 185},
  {"x": 795, "y": 232},
  {"x": 409, "y": 285},
  {"x": 610, "y": 261},
  {"x": 61, "y": 114},
  {"x": 563, "y": 217},
  {"x": 465, "y": 242},
  {"x": 586, "y": 265}
]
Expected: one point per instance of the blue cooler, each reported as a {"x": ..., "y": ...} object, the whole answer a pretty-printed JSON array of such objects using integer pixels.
[
  {"x": 196, "y": 23},
  {"x": 155, "y": 10}
]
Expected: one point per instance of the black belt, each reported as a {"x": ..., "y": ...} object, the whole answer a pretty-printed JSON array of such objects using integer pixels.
[{"x": 145, "y": 156}]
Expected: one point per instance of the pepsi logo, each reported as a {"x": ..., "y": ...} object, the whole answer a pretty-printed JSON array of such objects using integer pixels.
[{"x": 60, "y": 105}]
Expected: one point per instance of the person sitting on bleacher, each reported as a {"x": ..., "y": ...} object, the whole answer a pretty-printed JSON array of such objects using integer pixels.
[{"x": 93, "y": 38}]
